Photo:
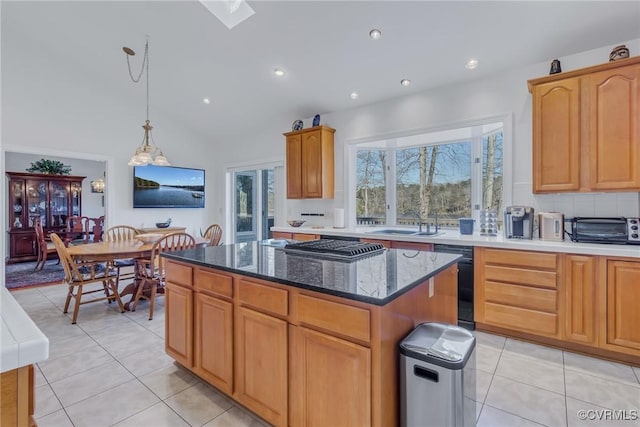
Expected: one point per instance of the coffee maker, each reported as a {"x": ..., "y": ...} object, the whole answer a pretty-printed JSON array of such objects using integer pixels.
[{"x": 518, "y": 222}]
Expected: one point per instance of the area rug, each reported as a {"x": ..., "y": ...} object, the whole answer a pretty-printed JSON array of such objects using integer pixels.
[{"x": 22, "y": 274}]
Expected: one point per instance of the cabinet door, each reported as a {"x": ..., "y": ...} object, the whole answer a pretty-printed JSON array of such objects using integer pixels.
[
  {"x": 580, "y": 288},
  {"x": 556, "y": 136},
  {"x": 623, "y": 300},
  {"x": 294, "y": 166},
  {"x": 330, "y": 380},
  {"x": 614, "y": 129},
  {"x": 261, "y": 365},
  {"x": 179, "y": 324},
  {"x": 22, "y": 244},
  {"x": 312, "y": 164},
  {"x": 417, "y": 246},
  {"x": 213, "y": 328},
  {"x": 304, "y": 236},
  {"x": 37, "y": 191}
]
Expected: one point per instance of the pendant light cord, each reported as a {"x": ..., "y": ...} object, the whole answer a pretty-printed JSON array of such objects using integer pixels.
[{"x": 145, "y": 65}]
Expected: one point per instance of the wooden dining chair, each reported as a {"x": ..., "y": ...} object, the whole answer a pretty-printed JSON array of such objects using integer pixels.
[
  {"x": 213, "y": 234},
  {"x": 122, "y": 233},
  {"x": 93, "y": 229},
  {"x": 78, "y": 274},
  {"x": 152, "y": 271},
  {"x": 75, "y": 230},
  {"x": 44, "y": 247}
]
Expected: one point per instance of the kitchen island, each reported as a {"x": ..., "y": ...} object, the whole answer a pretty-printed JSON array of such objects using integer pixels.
[{"x": 302, "y": 340}]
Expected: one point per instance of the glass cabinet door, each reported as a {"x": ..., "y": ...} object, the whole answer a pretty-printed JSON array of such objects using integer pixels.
[
  {"x": 36, "y": 204},
  {"x": 17, "y": 207},
  {"x": 76, "y": 195},
  {"x": 60, "y": 208}
]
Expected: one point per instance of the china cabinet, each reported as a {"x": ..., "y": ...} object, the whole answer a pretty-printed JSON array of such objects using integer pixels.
[{"x": 52, "y": 198}]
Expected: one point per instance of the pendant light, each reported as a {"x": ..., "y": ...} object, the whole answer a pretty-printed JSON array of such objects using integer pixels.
[{"x": 146, "y": 153}]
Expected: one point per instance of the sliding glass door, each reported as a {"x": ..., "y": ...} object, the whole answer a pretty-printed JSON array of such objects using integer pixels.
[{"x": 254, "y": 204}]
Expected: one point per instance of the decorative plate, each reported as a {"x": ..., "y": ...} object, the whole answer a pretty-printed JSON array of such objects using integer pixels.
[
  {"x": 316, "y": 120},
  {"x": 297, "y": 125}
]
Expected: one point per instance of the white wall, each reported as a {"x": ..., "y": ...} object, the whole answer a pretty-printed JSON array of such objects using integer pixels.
[
  {"x": 53, "y": 109},
  {"x": 506, "y": 93}
]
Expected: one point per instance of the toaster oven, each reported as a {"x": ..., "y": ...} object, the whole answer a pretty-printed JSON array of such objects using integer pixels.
[{"x": 619, "y": 230}]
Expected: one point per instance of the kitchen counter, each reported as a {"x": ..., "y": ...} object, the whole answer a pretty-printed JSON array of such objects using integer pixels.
[
  {"x": 21, "y": 345},
  {"x": 453, "y": 237},
  {"x": 377, "y": 279},
  {"x": 263, "y": 326},
  {"x": 21, "y": 342}
]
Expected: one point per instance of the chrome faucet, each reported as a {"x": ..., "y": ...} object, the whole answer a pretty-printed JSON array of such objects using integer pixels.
[{"x": 417, "y": 216}]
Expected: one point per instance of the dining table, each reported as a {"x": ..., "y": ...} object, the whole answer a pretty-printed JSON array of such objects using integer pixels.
[{"x": 109, "y": 251}]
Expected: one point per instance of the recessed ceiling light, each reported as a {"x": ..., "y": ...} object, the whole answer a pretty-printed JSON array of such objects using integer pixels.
[
  {"x": 206, "y": 101},
  {"x": 405, "y": 82},
  {"x": 279, "y": 72},
  {"x": 354, "y": 95},
  {"x": 375, "y": 34},
  {"x": 471, "y": 64}
]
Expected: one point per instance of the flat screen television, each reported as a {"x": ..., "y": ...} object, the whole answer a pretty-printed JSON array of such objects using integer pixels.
[{"x": 167, "y": 187}]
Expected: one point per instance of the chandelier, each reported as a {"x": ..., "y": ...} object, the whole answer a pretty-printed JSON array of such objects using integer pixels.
[{"x": 146, "y": 153}]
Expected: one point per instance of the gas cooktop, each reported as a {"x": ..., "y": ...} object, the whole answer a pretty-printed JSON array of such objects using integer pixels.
[{"x": 342, "y": 250}]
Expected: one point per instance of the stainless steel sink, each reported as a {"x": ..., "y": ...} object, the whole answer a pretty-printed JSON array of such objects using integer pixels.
[
  {"x": 428, "y": 233},
  {"x": 399, "y": 231},
  {"x": 393, "y": 231}
]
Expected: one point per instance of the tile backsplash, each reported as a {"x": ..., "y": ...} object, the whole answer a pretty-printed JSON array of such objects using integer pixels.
[{"x": 590, "y": 204}]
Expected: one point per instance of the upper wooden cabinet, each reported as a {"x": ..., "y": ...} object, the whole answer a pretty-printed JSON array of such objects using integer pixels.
[
  {"x": 310, "y": 164},
  {"x": 586, "y": 129}
]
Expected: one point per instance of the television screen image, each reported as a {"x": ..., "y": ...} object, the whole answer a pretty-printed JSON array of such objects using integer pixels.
[{"x": 167, "y": 187}]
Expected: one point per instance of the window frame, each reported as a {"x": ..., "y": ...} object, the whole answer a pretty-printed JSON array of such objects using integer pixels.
[{"x": 389, "y": 141}]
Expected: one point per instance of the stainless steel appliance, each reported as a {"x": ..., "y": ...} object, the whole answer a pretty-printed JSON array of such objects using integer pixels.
[
  {"x": 518, "y": 222},
  {"x": 617, "y": 230},
  {"x": 342, "y": 250},
  {"x": 551, "y": 226},
  {"x": 465, "y": 282}
]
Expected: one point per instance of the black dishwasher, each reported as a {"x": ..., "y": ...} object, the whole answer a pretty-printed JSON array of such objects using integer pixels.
[{"x": 465, "y": 282}]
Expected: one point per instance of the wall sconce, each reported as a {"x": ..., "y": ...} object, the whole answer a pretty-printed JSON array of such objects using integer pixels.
[{"x": 97, "y": 185}]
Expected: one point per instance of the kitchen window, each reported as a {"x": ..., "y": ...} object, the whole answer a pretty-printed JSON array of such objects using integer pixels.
[{"x": 431, "y": 177}]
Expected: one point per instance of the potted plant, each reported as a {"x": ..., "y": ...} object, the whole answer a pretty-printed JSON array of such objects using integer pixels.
[{"x": 49, "y": 167}]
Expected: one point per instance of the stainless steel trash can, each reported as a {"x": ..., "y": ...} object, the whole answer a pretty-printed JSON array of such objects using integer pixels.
[{"x": 437, "y": 377}]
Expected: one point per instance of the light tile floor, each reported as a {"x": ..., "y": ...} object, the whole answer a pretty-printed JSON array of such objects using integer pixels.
[{"x": 111, "y": 369}]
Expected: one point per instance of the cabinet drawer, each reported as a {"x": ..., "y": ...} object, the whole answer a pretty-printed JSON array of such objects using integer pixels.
[
  {"x": 331, "y": 316},
  {"x": 521, "y": 318},
  {"x": 179, "y": 274},
  {"x": 214, "y": 283},
  {"x": 521, "y": 296},
  {"x": 266, "y": 298},
  {"x": 544, "y": 279},
  {"x": 521, "y": 258},
  {"x": 304, "y": 236}
]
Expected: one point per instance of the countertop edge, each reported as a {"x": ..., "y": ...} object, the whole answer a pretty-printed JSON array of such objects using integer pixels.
[
  {"x": 347, "y": 295},
  {"x": 22, "y": 343},
  {"x": 453, "y": 237}
]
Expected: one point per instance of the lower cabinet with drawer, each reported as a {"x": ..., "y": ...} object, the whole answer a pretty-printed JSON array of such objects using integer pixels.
[{"x": 519, "y": 290}]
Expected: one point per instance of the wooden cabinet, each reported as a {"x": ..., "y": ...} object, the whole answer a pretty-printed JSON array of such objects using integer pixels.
[
  {"x": 399, "y": 244},
  {"x": 179, "y": 322},
  {"x": 295, "y": 236},
  {"x": 517, "y": 290},
  {"x": 213, "y": 330},
  {"x": 326, "y": 374},
  {"x": 580, "y": 299},
  {"x": 622, "y": 296},
  {"x": 51, "y": 198},
  {"x": 261, "y": 365},
  {"x": 17, "y": 397},
  {"x": 310, "y": 163},
  {"x": 586, "y": 129}
]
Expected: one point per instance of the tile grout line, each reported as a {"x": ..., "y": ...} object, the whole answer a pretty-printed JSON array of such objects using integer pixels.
[{"x": 564, "y": 384}]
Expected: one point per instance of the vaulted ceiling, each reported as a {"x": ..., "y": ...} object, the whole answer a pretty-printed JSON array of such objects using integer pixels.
[{"x": 323, "y": 46}]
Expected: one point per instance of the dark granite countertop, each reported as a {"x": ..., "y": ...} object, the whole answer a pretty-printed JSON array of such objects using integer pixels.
[{"x": 377, "y": 279}]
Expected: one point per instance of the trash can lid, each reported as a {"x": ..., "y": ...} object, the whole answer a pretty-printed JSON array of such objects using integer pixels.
[{"x": 441, "y": 344}]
